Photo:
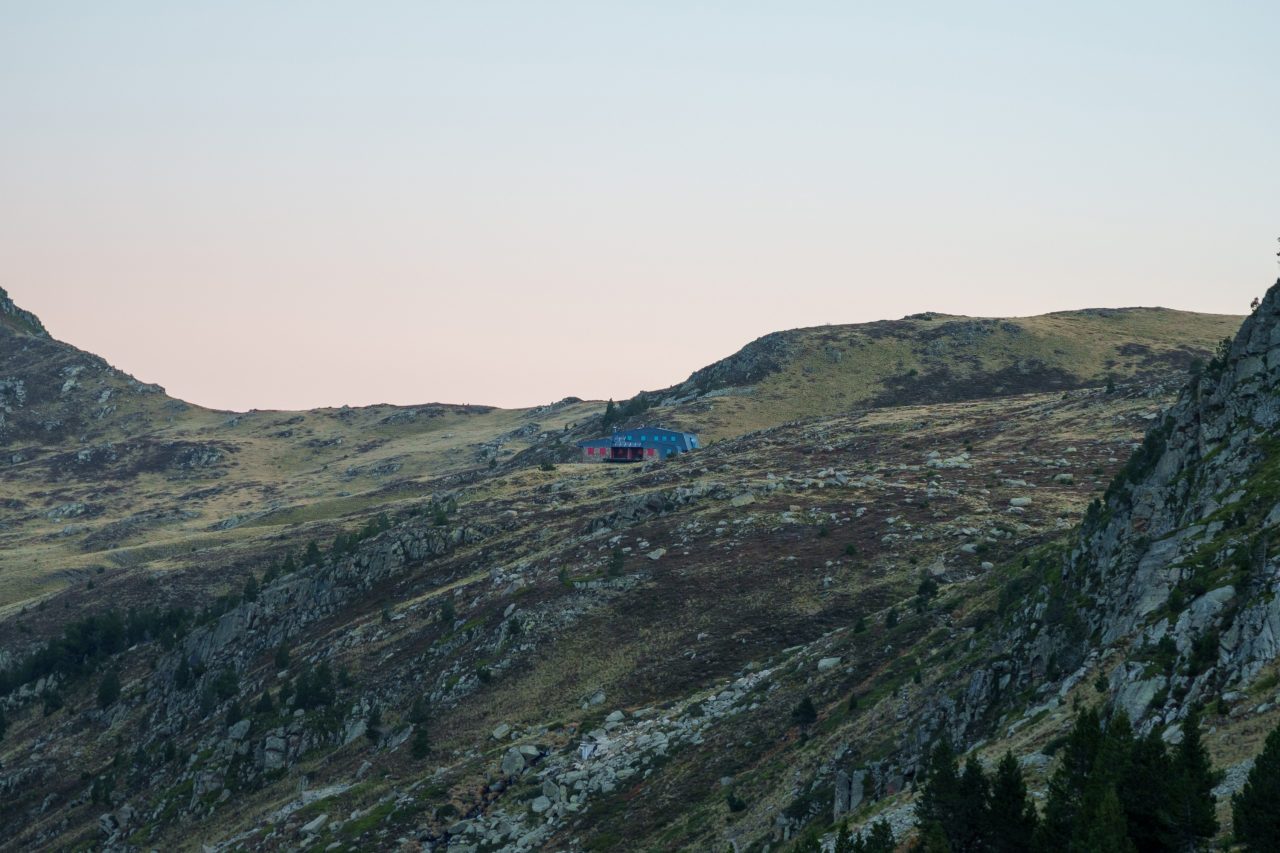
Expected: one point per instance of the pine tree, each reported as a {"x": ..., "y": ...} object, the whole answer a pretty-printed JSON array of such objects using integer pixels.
[
  {"x": 808, "y": 844},
  {"x": 934, "y": 840},
  {"x": 968, "y": 832},
  {"x": 1194, "y": 818},
  {"x": 1144, "y": 794},
  {"x": 108, "y": 689},
  {"x": 1256, "y": 818},
  {"x": 804, "y": 714},
  {"x": 281, "y": 659},
  {"x": 844, "y": 840},
  {"x": 4, "y": 723},
  {"x": 182, "y": 675},
  {"x": 264, "y": 705},
  {"x": 939, "y": 800},
  {"x": 879, "y": 839},
  {"x": 421, "y": 744},
  {"x": 311, "y": 557},
  {"x": 1012, "y": 816},
  {"x": 1068, "y": 783},
  {"x": 251, "y": 588},
  {"x": 1102, "y": 827}
]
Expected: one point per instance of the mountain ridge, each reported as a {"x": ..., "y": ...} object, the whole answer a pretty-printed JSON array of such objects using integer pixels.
[{"x": 460, "y": 648}]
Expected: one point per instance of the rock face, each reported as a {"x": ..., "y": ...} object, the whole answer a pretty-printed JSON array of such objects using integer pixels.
[
  {"x": 749, "y": 365},
  {"x": 18, "y": 319},
  {"x": 1176, "y": 554},
  {"x": 1179, "y": 547},
  {"x": 51, "y": 391},
  {"x": 1169, "y": 589}
]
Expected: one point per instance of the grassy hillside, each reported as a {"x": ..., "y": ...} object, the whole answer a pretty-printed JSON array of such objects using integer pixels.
[
  {"x": 482, "y": 617},
  {"x": 183, "y": 477},
  {"x": 937, "y": 358}
]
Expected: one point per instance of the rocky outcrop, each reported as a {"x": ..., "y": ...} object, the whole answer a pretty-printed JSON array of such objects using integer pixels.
[
  {"x": 284, "y": 607},
  {"x": 755, "y": 361},
  {"x": 18, "y": 319},
  {"x": 1169, "y": 589},
  {"x": 51, "y": 392},
  {"x": 1178, "y": 549}
]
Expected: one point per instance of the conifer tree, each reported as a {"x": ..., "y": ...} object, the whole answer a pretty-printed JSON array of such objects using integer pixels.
[
  {"x": 804, "y": 714},
  {"x": 939, "y": 801},
  {"x": 844, "y": 840},
  {"x": 968, "y": 831},
  {"x": 108, "y": 689},
  {"x": 879, "y": 839},
  {"x": 420, "y": 747},
  {"x": 182, "y": 675},
  {"x": 1012, "y": 817},
  {"x": 1194, "y": 817},
  {"x": 1102, "y": 827},
  {"x": 1067, "y": 785},
  {"x": 934, "y": 840},
  {"x": 1256, "y": 818},
  {"x": 1144, "y": 794}
]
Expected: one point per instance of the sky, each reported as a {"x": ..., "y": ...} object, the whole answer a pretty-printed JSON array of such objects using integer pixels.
[{"x": 297, "y": 204}]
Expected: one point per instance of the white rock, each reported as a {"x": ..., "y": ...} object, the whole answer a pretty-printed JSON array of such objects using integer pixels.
[{"x": 315, "y": 824}]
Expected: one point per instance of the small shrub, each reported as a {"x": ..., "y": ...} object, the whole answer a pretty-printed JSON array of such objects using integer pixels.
[
  {"x": 804, "y": 714},
  {"x": 420, "y": 747}
]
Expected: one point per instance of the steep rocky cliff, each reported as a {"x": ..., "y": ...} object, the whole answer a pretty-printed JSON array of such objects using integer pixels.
[
  {"x": 1177, "y": 557},
  {"x": 1164, "y": 598}
]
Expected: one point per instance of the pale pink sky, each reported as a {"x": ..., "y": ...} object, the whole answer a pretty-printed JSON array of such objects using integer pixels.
[{"x": 301, "y": 204}]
